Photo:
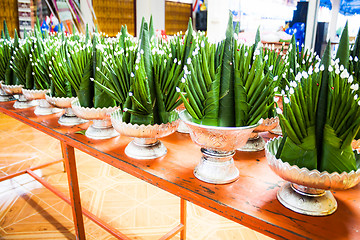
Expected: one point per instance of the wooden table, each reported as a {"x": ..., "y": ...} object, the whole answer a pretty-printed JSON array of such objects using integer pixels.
[{"x": 250, "y": 201}]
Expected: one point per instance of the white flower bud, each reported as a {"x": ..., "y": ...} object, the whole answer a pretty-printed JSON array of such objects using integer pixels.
[
  {"x": 293, "y": 84},
  {"x": 344, "y": 74},
  {"x": 355, "y": 87},
  {"x": 350, "y": 79},
  {"x": 278, "y": 111},
  {"x": 298, "y": 76}
]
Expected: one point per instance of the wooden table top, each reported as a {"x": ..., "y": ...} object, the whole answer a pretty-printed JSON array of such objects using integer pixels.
[{"x": 250, "y": 201}]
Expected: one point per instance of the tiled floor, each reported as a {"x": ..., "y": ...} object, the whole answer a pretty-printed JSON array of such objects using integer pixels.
[{"x": 138, "y": 209}]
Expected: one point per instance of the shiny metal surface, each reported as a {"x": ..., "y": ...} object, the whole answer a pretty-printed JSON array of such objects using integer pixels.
[
  {"x": 12, "y": 89},
  {"x": 101, "y": 127},
  {"x": 217, "y": 138},
  {"x": 218, "y": 146},
  {"x": 306, "y": 194},
  {"x": 68, "y": 118},
  {"x": 256, "y": 142},
  {"x": 91, "y": 113},
  {"x": 44, "y": 108},
  {"x": 145, "y": 145},
  {"x": 4, "y": 97},
  {"x": 310, "y": 178},
  {"x": 60, "y": 102},
  {"x": 301, "y": 202},
  {"x": 216, "y": 167},
  {"x": 34, "y": 94},
  {"x": 22, "y": 102}
]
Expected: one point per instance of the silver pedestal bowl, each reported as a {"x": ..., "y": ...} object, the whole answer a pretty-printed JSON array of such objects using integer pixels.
[
  {"x": 101, "y": 127},
  {"x": 307, "y": 192},
  {"x": 4, "y": 97},
  {"x": 68, "y": 118},
  {"x": 16, "y": 91},
  {"x": 256, "y": 142},
  {"x": 145, "y": 144},
  {"x": 218, "y": 145},
  {"x": 44, "y": 108}
]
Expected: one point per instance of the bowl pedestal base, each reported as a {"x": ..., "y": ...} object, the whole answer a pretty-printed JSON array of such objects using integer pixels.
[
  {"x": 145, "y": 148},
  {"x": 69, "y": 118},
  {"x": 44, "y": 108},
  {"x": 306, "y": 200},
  {"x": 22, "y": 102},
  {"x": 101, "y": 129},
  {"x": 216, "y": 167}
]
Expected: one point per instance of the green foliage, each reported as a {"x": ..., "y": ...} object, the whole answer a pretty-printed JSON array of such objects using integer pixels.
[
  {"x": 21, "y": 64},
  {"x": 321, "y": 119},
  {"x": 40, "y": 66},
  {"x": 57, "y": 56},
  {"x": 226, "y": 84}
]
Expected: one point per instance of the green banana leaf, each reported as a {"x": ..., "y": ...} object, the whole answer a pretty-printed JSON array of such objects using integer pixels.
[
  {"x": 211, "y": 110},
  {"x": 102, "y": 98},
  {"x": 86, "y": 88},
  {"x": 302, "y": 155},
  {"x": 226, "y": 103},
  {"x": 356, "y": 50},
  {"x": 321, "y": 113},
  {"x": 6, "y": 31},
  {"x": 241, "y": 101},
  {"x": 335, "y": 158},
  {"x": 29, "y": 77}
]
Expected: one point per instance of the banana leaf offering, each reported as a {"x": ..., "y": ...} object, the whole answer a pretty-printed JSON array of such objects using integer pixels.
[
  {"x": 20, "y": 63},
  {"x": 6, "y": 47},
  {"x": 321, "y": 118},
  {"x": 226, "y": 84},
  {"x": 143, "y": 79},
  {"x": 117, "y": 72},
  {"x": 40, "y": 66},
  {"x": 6, "y": 52},
  {"x": 57, "y": 56},
  {"x": 84, "y": 66}
]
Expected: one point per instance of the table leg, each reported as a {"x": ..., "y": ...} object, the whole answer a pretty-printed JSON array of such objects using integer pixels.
[
  {"x": 63, "y": 155},
  {"x": 70, "y": 166},
  {"x": 183, "y": 218}
]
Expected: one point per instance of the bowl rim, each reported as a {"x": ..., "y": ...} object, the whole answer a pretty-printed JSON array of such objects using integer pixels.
[{"x": 184, "y": 116}]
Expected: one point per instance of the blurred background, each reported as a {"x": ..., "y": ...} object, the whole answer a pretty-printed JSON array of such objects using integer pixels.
[{"x": 313, "y": 22}]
